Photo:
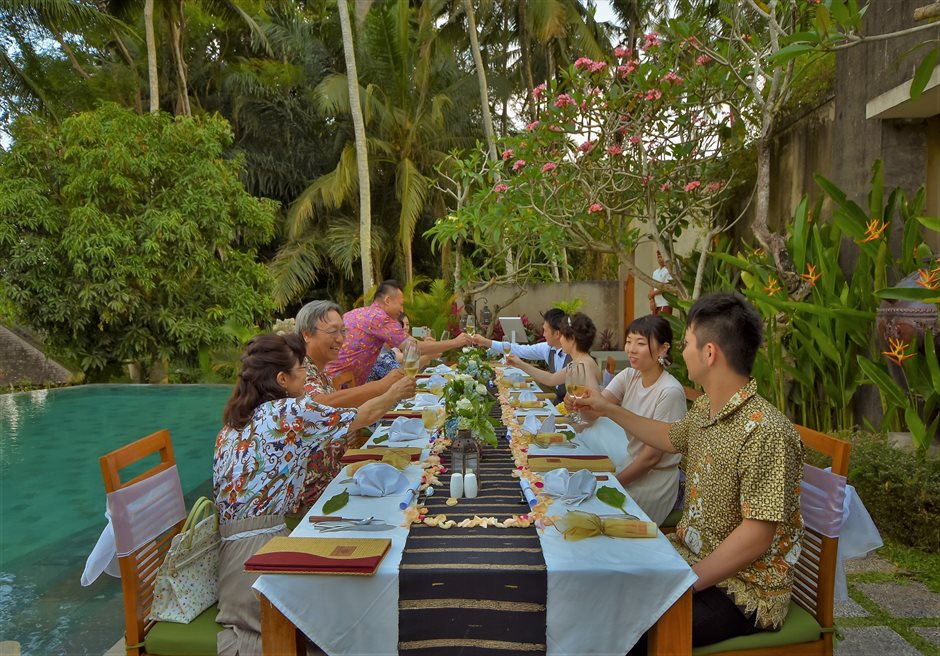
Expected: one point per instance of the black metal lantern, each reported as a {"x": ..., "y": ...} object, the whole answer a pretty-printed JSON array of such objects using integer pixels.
[{"x": 465, "y": 453}]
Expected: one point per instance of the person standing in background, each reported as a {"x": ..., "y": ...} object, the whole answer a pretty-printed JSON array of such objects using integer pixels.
[{"x": 658, "y": 303}]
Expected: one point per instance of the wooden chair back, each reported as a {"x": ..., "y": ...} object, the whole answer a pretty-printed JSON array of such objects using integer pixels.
[
  {"x": 139, "y": 568},
  {"x": 344, "y": 380}
]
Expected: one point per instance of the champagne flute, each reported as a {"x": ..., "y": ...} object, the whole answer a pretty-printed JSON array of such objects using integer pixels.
[
  {"x": 429, "y": 418},
  {"x": 410, "y": 359},
  {"x": 470, "y": 325},
  {"x": 576, "y": 384},
  {"x": 507, "y": 347}
]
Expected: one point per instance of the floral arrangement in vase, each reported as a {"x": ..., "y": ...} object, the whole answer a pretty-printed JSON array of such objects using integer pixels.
[{"x": 467, "y": 404}]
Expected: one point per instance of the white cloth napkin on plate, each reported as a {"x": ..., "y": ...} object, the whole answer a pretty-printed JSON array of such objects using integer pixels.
[
  {"x": 422, "y": 401},
  {"x": 532, "y": 424},
  {"x": 377, "y": 479},
  {"x": 527, "y": 396},
  {"x": 436, "y": 381},
  {"x": 514, "y": 378},
  {"x": 404, "y": 429},
  {"x": 570, "y": 488},
  {"x": 439, "y": 369}
]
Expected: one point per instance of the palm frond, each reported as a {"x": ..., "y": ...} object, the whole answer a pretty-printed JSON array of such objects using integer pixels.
[
  {"x": 328, "y": 191},
  {"x": 295, "y": 268},
  {"x": 412, "y": 188}
]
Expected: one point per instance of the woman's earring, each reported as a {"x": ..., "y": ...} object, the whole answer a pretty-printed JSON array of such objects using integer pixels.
[{"x": 663, "y": 362}]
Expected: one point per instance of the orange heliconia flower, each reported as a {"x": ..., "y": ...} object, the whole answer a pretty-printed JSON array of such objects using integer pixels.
[
  {"x": 897, "y": 353},
  {"x": 874, "y": 230},
  {"x": 810, "y": 276},
  {"x": 772, "y": 287},
  {"x": 929, "y": 279}
]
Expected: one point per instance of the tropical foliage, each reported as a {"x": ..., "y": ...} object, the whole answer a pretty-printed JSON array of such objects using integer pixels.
[{"x": 127, "y": 237}]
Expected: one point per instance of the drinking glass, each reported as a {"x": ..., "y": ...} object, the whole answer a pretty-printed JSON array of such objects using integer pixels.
[
  {"x": 507, "y": 346},
  {"x": 469, "y": 324},
  {"x": 410, "y": 359},
  {"x": 576, "y": 384},
  {"x": 429, "y": 418}
]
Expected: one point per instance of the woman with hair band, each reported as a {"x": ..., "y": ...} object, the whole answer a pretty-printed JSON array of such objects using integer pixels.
[
  {"x": 577, "y": 334},
  {"x": 647, "y": 389},
  {"x": 261, "y": 455}
]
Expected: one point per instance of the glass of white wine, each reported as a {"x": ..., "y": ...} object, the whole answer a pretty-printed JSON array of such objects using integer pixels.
[
  {"x": 410, "y": 358},
  {"x": 470, "y": 325},
  {"x": 430, "y": 417},
  {"x": 576, "y": 384}
]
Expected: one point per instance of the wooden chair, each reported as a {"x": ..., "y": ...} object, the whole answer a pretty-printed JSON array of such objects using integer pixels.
[
  {"x": 139, "y": 568},
  {"x": 344, "y": 380},
  {"x": 808, "y": 627}
]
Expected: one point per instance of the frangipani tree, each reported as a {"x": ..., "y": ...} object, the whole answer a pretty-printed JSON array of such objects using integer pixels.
[{"x": 622, "y": 151}]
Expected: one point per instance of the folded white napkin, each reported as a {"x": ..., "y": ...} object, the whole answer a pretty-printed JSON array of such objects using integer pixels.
[
  {"x": 532, "y": 424},
  {"x": 422, "y": 401},
  {"x": 377, "y": 479},
  {"x": 527, "y": 396},
  {"x": 436, "y": 381},
  {"x": 404, "y": 429},
  {"x": 570, "y": 488},
  {"x": 515, "y": 377},
  {"x": 439, "y": 369}
]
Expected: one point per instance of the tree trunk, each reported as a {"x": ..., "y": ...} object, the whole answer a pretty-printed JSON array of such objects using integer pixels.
[
  {"x": 481, "y": 79},
  {"x": 526, "y": 57},
  {"x": 182, "y": 85},
  {"x": 151, "y": 57},
  {"x": 362, "y": 152}
]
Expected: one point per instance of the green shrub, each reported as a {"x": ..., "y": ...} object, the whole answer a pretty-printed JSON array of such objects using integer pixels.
[{"x": 900, "y": 489}]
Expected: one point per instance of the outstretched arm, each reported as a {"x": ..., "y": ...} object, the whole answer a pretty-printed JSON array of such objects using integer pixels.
[
  {"x": 652, "y": 432},
  {"x": 540, "y": 376}
]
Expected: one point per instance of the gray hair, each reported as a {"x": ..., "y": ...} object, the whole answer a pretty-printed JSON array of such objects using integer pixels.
[{"x": 312, "y": 313}]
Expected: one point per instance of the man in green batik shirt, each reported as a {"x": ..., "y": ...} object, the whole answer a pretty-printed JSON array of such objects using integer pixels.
[{"x": 741, "y": 526}]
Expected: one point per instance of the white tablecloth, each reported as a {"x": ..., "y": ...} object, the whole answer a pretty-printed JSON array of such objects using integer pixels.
[{"x": 603, "y": 593}]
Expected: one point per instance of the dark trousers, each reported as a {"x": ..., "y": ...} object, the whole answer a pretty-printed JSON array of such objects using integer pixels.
[{"x": 714, "y": 618}]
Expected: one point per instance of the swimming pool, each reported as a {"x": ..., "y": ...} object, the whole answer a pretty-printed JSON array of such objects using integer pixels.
[{"x": 52, "y": 500}]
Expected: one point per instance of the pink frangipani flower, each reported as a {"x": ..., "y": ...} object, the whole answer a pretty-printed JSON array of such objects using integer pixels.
[
  {"x": 500, "y": 188},
  {"x": 531, "y": 126},
  {"x": 614, "y": 150},
  {"x": 692, "y": 186},
  {"x": 549, "y": 166},
  {"x": 596, "y": 207},
  {"x": 518, "y": 164},
  {"x": 507, "y": 154},
  {"x": 538, "y": 91},
  {"x": 564, "y": 100}
]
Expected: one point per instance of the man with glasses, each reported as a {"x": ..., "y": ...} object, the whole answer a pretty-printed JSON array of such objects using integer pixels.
[
  {"x": 371, "y": 327},
  {"x": 320, "y": 323}
]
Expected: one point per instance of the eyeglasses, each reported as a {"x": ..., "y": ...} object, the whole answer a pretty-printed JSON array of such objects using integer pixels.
[{"x": 334, "y": 331}]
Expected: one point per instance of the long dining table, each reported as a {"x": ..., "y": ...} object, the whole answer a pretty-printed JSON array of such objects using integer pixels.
[{"x": 478, "y": 590}]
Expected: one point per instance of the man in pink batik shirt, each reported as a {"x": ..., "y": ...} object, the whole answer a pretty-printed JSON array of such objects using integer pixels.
[{"x": 371, "y": 327}]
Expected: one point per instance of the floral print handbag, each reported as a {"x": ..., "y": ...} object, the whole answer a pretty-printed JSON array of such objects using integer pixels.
[{"x": 188, "y": 580}]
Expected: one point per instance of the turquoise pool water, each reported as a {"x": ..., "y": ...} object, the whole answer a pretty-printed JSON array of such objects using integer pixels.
[{"x": 52, "y": 500}]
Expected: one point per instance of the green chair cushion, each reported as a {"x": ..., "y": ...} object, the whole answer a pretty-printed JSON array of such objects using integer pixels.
[
  {"x": 799, "y": 626},
  {"x": 672, "y": 519},
  {"x": 194, "y": 639}
]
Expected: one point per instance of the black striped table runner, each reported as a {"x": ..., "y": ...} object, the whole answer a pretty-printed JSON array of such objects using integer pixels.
[{"x": 474, "y": 590}]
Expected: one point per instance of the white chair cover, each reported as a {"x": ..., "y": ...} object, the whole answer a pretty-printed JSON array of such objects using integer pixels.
[{"x": 136, "y": 515}]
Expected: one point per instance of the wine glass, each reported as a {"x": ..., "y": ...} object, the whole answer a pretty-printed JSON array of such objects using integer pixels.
[
  {"x": 507, "y": 346},
  {"x": 410, "y": 358},
  {"x": 576, "y": 384},
  {"x": 431, "y": 419},
  {"x": 470, "y": 324}
]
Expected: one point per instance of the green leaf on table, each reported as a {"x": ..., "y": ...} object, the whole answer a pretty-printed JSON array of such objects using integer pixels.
[
  {"x": 612, "y": 497},
  {"x": 569, "y": 434},
  {"x": 380, "y": 439},
  {"x": 335, "y": 503}
]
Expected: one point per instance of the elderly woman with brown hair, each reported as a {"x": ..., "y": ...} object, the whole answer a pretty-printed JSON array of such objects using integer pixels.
[{"x": 261, "y": 456}]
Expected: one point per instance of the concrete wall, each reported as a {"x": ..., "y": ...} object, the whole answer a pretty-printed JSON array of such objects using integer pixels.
[
  {"x": 23, "y": 363},
  {"x": 863, "y": 73},
  {"x": 602, "y": 302}
]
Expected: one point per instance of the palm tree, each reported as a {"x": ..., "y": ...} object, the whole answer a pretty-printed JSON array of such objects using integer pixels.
[{"x": 412, "y": 120}]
